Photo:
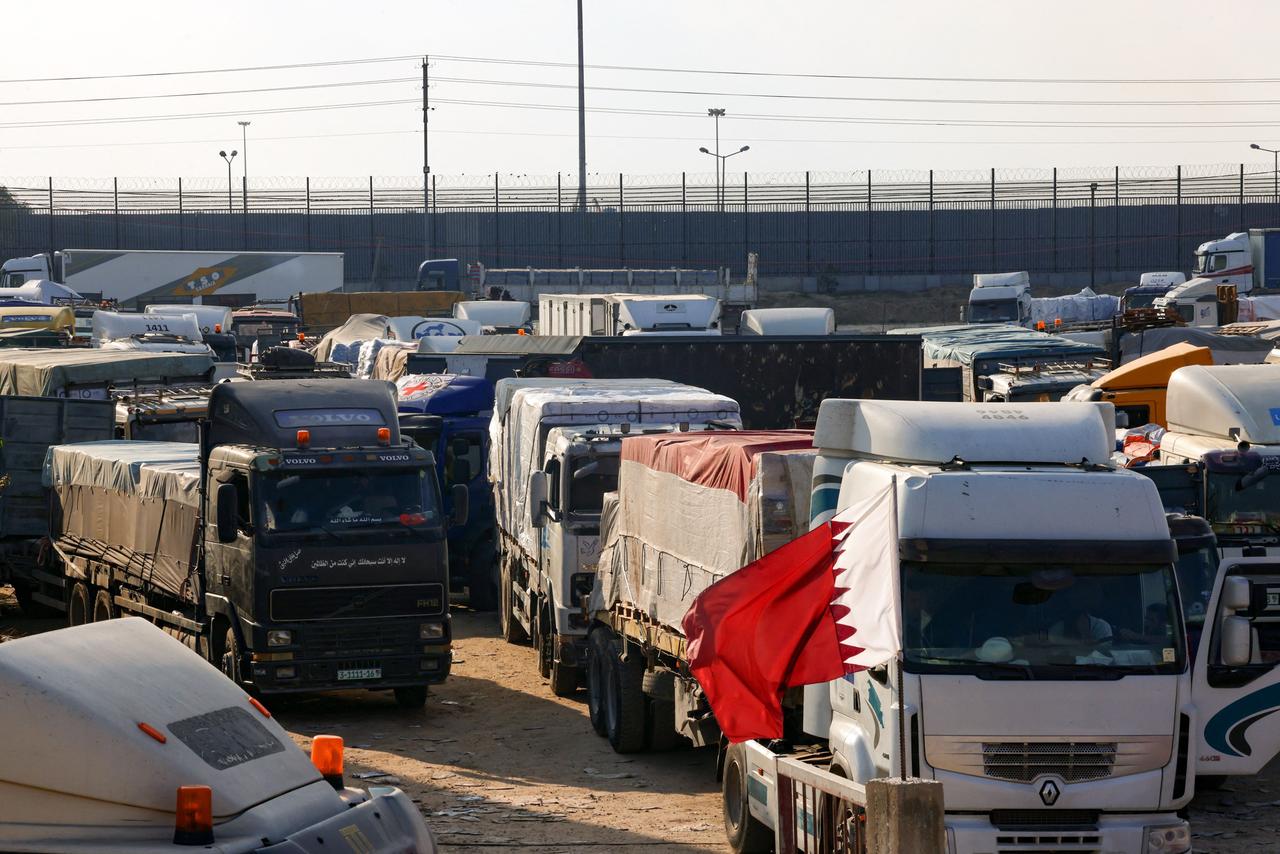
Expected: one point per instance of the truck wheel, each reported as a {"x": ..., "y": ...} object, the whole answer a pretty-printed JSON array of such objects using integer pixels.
[
  {"x": 103, "y": 607},
  {"x": 599, "y": 655},
  {"x": 564, "y": 679},
  {"x": 746, "y": 834},
  {"x": 542, "y": 638},
  {"x": 482, "y": 588},
  {"x": 627, "y": 707},
  {"x": 30, "y": 607},
  {"x": 231, "y": 656},
  {"x": 512, "y": 631},
  {"x": 78, "y": 605},
  {"x": 662, "y": 733},
  {"x": 413, "y": 697}
]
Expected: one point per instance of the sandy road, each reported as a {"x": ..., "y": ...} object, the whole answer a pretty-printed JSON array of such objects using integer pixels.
[{"x": 496, "y": 762}]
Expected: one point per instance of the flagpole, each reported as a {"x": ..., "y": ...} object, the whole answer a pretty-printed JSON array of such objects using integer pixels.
[{"x": 902, "y": 686}]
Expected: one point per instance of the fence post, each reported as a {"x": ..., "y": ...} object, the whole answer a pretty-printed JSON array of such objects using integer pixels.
[
  {"x": 373, "y": 249},
  {"x": 993, "y": 218},
  {"x": 1055, "y": 219},
  {"x": 308, "y": 216},
  {"x": 244, "y": 214},
  {"x": 497, "y": 237},
  {"x": 559, "y": 226},
  {"x": 931, "y": 239},
  {"x": 1115, "y": 224},
  {"x": 622, "y": 232},
  {"x": 684, "y": 221},
  {"x": 1177, "y": 243},
  {"x": 435, "y": 209},
  {"x": 905, "y": 815},
  {"x": 115, "y": 202},
  {"x": 182, "y": 241},
  {"x": 1240, "y": 227},
  {"x": 1093, "y": 235},
  {"x": 871, "y": 253},
  {"x": 52, "y": 247},
  {"x": 808, "y": 236},
  {"x": 746, "y": 220}
]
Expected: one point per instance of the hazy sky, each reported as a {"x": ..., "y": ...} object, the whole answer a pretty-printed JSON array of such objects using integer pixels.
[{"x": 1156, "y": 41}]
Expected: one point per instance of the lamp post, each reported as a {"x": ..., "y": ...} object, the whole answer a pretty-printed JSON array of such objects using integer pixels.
[
  {"x": 1275, "y": 169},
  {"x": 721, "y": 169},
  {"x": 228, "y": 158},
  {"x": 716, "y": 113},
  {"x": 244, "y": 163},
  {"x": 1093, "y": 235}
]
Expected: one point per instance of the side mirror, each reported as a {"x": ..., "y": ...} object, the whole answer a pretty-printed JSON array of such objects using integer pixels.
[
  {"x": 461, "y": 471},
  {"x": 1122, "y": 420},
  {"x": 1237, "y": 593},
  {"x": 461, "y": 447},
  {"x": 1237, "y": 642},
  {"x": 461, "y": 499},
  {"x": 227, "y": 498},
  {"x": 537, "y": 499}
]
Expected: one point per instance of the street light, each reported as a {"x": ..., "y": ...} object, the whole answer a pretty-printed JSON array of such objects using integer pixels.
[
  {"x": 228, "y": 158},
  {"x": 244, "y": 162},
  {"x": 716, "y": 113},
  {"x": 720, "y": 168},
  {"x": 1275, "y": 169}
]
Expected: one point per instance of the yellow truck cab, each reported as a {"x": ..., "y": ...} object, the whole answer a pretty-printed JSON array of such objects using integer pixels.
[
  {"x": 1138, "y": 389},
  {"x": 58, "y": 318}
]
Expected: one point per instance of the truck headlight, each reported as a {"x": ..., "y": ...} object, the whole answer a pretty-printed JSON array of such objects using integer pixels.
[
  {"x": 1169, "y": 838},
  {"x": 431, "y": 631},
  {"x": 279, "y": 637}
]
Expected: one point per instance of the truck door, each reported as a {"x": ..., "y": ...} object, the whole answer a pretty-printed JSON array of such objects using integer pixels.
[{"x": 1239, "y": 707}]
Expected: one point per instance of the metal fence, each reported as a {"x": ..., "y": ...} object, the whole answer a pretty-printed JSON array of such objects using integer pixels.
[{"x": 815, "y": 224}]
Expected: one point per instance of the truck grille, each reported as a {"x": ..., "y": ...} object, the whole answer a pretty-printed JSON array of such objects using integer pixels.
[
  {"x": 1072, "y": 761},
  {"x": 1049, "y": 843},
  {"x": 298, "y": 604},
  {"x": 359, "y": 639}
]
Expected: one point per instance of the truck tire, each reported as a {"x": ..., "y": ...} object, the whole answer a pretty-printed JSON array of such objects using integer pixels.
[
  {"x": 231, "y": 657},
  {"x": 78, "y": 604},
  {"x": 512, "y": 631},
  {"x": 627, "y": 708},
  {"x": 599, "y": 656},
  {"x": 482, "y": 586},
  {"x": 103, "y": 607},
  {"x": 542, "y": 637},
  {"x": 412, "y": 697},
  {"x": 662, "y": 735},
  {"x": 745, "y": 833},
  {"x": 564, "y": 679},
  {"x": 30, "y": 607}
]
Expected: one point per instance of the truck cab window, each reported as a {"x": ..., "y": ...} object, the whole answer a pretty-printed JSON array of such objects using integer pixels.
[
  {"x": 590, "y": 479},
  {"x": 347, "y": 501},
  {"x": 244, "y": 518},
  {"x": 1138, "y": 415},
  {"x": 473, "y": 457},
  {"x": 553, "y": 483}
]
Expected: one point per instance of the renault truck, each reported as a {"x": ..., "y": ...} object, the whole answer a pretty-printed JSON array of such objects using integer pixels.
[
  {"x": 1042, "y": 675},
  {"x": 300, "y": 545}
]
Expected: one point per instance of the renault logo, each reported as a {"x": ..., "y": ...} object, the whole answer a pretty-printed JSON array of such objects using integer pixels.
[{"x": 1049, "y": 792}]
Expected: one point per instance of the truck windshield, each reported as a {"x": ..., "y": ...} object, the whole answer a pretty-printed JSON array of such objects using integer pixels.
[
  {"x": 1242, "y": 512},
  {"x": 1041, "y": 621},
  {"x": 993, "y": 311},
  {"x": 165, "y": 431},
  {"x": 589, "y": 479},
  {"x": 342, "y": 501}
]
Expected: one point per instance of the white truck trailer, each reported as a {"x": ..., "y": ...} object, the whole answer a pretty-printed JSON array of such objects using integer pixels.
[
  {"x": 803, "y": 320},
  {"x": 628, "y": 314},
  {"x": 105, "y": 755},
  {"x": 553, "y": 455},
  {"x": 1043, "y": 675},
  {"x": 136, "y": 277},
  {"x": 751, "y": 488}
]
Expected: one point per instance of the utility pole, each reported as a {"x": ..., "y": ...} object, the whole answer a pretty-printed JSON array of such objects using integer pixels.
[
  {"x": 582, "y": 122},
  {"x": 426, "y": 164},
  {"x": 244, "y": 163}
]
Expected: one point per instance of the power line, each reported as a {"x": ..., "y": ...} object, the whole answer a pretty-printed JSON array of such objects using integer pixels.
[
  {"x": 326, "y": 64},
  {"x": 336, "y": 85},
  {"x": 823, "y": 76}
]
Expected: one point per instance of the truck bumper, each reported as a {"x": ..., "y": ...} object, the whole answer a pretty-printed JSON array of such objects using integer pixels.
[
  {"x": 300, "y": 674},
  {"x": 387, "y": 822},
  {"x": 1110, "y": 834}
]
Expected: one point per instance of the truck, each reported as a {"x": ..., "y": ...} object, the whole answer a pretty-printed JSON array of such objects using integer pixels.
[
  {"x": 1039, "y": 382},
  {"x": 299, "y": 546},
  {"x": 1235, "y": 278},
  {"x": 94, "y": 374},
  {"x": 1150, "y": 286},
  {"x": 122, "y": 739},
  {"x": 750, "y": 487},
  {"x": 322, "y": 312},
  {"x": 449, "y": 416},
  {"x": 1139, "y": 389},
  {"x": 628, "y": 314},
  {"x": 502, "y": 317},
  {"x": 1043, "y": 675},
  {"x": 981, "y": 351},
  {"x": 553, "y": 455},
  {"x": 1006, "y": 298},
  {"x": 787, "y": 321},
  {"x": 135, "y": 277}
]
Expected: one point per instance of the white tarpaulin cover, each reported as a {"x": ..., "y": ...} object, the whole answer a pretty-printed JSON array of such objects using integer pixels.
[
  {"x": 751, "y": 488},
  {"x": 343, "y": 344},
  {"x": 141, "y": 497},
  {"x": 1074, "y": 308},
  {"x": 526, "y": 410}
]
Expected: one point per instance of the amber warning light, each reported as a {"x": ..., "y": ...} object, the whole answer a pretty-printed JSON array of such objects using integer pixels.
[
  {"x": 304, "y": 438},
  {"x": 193, "y": 819},
  {"x": 326, "y": 755}
]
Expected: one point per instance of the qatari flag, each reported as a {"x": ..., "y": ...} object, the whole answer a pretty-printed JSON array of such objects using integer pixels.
[{"x": 822, "y": 606}]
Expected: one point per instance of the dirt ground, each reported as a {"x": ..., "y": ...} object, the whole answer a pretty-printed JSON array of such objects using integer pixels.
[
  {"x": 876, "y": 311},
  {"x": 496, "y": 762}
]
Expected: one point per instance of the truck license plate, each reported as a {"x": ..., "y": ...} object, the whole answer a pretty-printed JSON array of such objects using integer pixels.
[{"x": 365, "y": 673}]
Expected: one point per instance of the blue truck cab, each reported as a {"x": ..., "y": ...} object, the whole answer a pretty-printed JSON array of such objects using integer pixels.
[{"x": 449, "y": 415}]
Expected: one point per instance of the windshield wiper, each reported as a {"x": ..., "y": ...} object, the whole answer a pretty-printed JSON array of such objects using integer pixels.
[{"x": 1023, "y": 670}]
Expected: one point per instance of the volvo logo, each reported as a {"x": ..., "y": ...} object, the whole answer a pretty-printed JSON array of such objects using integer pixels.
[{"x": 1049, "y": 792}]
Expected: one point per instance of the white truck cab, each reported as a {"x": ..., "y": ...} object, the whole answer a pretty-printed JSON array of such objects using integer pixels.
[
  {"x": 1227, "y": 261},
  {"x": 803, "y": 320},
  {"x": 1000, "y": 298},
  {"x": 105, "y": 755},
  {"x": 1043, "y": 678}
]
